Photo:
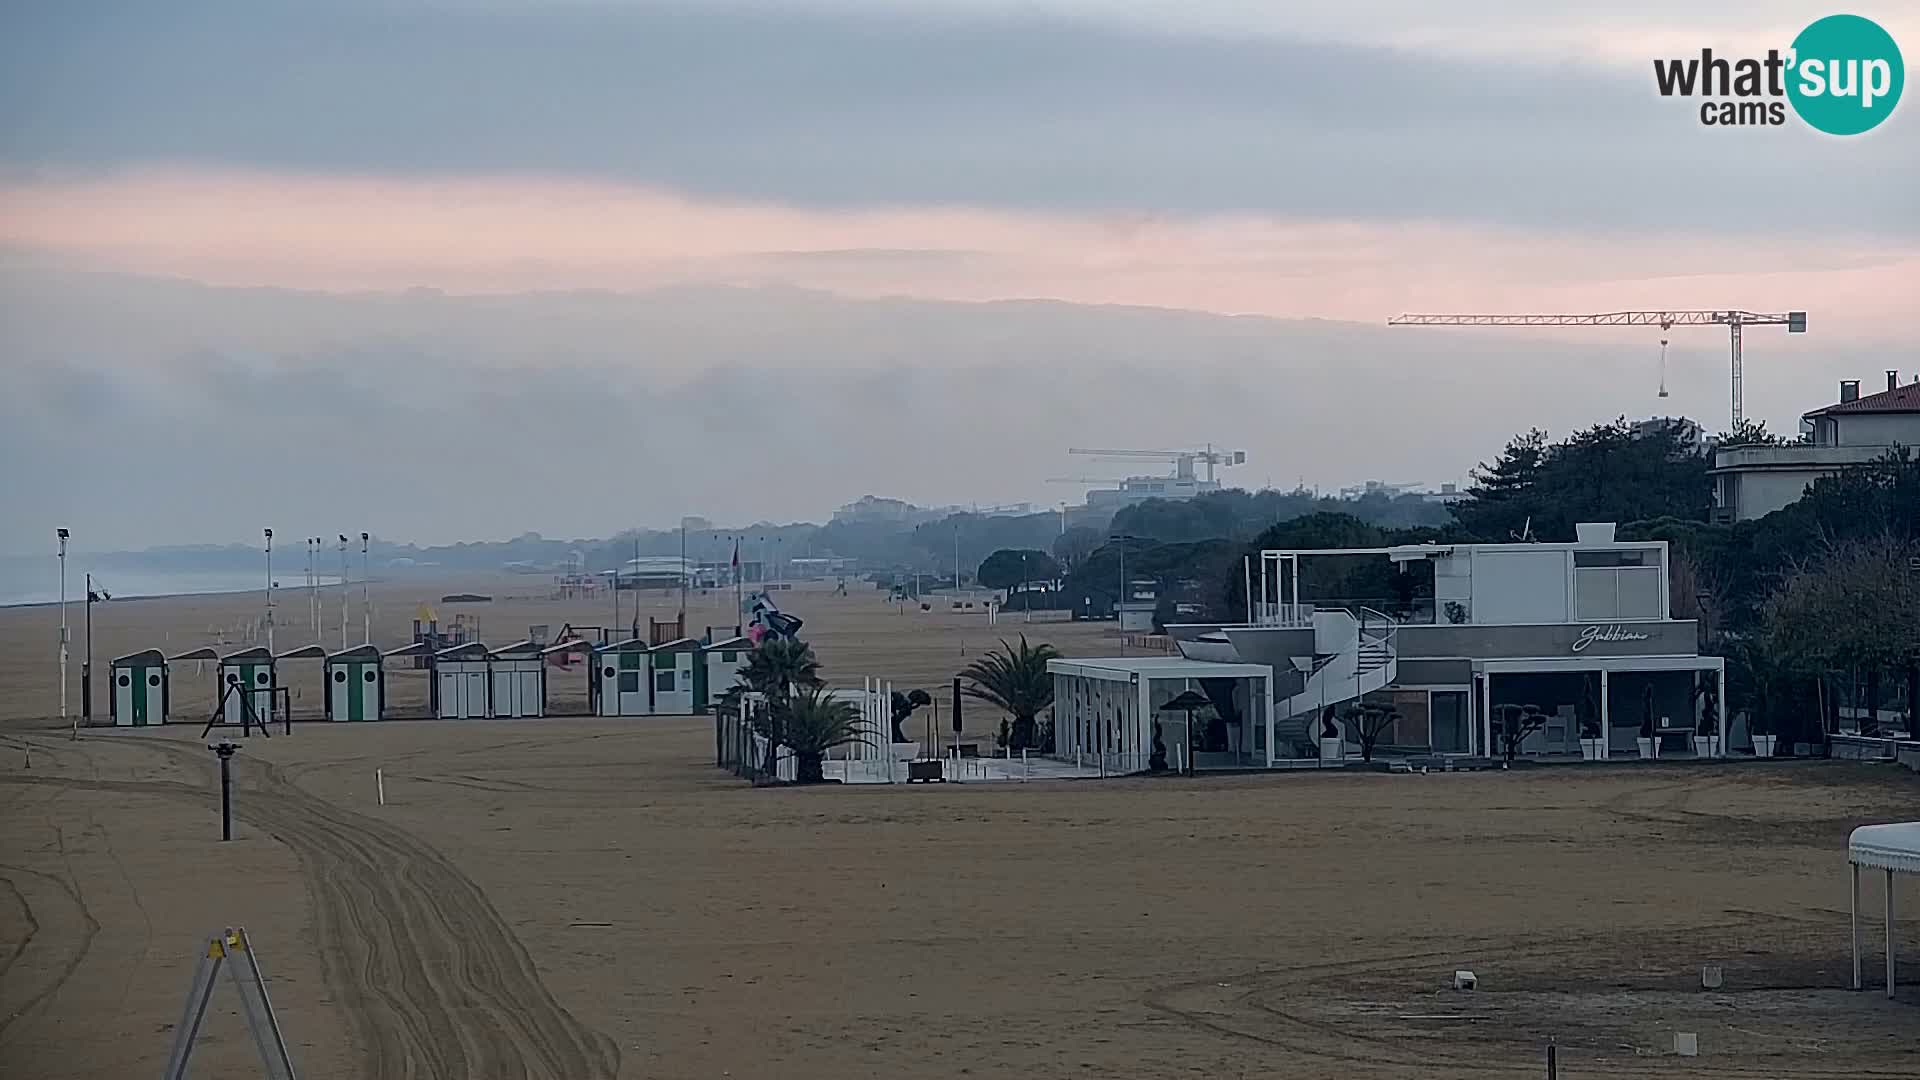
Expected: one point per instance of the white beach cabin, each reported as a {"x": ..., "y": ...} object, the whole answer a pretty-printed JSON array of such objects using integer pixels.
[
  {"x": 519, "y": 674},
  {"x": 460, "y": 682}
]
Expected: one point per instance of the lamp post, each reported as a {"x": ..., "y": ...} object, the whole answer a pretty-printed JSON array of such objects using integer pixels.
[
  {"x": 366, "y": 575},
  {"x": 269, "y": 593},
  {"x": 63, "y": 632},
  {"x": 86, "y": 664},
  {"x": 343, "y": 592},
  {"x": 1121, "y": 539}
]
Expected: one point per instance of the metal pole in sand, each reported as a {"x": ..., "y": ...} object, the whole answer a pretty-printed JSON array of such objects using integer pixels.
[{"x": 380, "y": 784}]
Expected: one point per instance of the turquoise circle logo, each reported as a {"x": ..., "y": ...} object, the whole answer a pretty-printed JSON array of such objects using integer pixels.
[{"x": 1847, "y": 75}]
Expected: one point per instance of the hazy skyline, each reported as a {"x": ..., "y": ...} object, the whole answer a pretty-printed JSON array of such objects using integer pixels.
[{"x": 1221, "y": 157}]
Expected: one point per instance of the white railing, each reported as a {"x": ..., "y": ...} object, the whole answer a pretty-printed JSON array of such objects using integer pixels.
[
  {"x": 1376, "y": 665},
  {"x": 1284, "y": 615}
]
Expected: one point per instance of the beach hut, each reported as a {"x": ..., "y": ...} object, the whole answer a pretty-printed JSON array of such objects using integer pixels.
[
  {"x": 280, "y": 667},
  {"x": 356, "y": 682},
  {"x": 622, "y": 686},
  {"x": 519, "y": 674},
  {"x": 140, "y": 689},
  {"x": 676, "y": 666},
  {"x": 461, "y": 674},
  {"x": 721, "y": 663},
  {"x": 252, "y": 672}
]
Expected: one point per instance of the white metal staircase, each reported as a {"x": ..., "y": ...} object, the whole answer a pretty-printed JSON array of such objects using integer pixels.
[{"x": 1354, "y": 654}]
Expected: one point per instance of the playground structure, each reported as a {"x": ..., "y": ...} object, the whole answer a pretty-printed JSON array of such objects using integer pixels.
[{"x": 427, "y": 633}]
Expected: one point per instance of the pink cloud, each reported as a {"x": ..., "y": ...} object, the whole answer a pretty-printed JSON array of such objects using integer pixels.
[{"x": 491, "y": 234}]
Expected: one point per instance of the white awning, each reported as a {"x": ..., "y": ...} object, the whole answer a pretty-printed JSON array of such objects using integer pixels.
[{"x": 1886, "y": 847}]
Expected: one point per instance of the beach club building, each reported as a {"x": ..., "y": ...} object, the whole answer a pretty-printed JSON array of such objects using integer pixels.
[{"x": 1578, "y": 630}]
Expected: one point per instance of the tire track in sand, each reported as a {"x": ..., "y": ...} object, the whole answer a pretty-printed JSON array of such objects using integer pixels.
[{"x": 434, "y": 981}]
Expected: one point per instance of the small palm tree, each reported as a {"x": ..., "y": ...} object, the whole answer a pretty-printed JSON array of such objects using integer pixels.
[
  {"x": 1014, "y": 678},
  {"x": 776, "y": 668},
  {"x": 816, "y": 722}
]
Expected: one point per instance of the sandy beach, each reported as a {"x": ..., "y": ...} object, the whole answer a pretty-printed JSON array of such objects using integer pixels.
[{"x": 592, "y": 898}]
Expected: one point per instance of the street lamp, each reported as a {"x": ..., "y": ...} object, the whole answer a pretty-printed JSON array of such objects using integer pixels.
[
  {"x": 86, "y": 664},
  {"x": 269, "y": 533},
  {"x": 63, "y": 632},
  {"x": 366, "y": 610},
  {"x": 1122, "y": 539},
  {"x": 343, "y": 592}
]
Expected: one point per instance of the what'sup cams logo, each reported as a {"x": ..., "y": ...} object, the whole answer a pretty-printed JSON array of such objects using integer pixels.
[{"x": 1843, "y": 75}]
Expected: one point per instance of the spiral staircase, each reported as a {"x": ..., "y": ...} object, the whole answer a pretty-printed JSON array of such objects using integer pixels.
[{"x": 1353, "y": 656}]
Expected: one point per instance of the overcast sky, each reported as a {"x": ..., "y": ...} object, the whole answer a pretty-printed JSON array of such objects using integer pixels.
[{"x": 1219, "y": 156}]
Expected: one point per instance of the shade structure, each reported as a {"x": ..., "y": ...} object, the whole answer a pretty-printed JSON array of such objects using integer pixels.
[{"x": 1891, "y": 849}]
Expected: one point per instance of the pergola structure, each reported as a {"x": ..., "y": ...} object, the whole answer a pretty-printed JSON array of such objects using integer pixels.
[
  {"x": 1894, "y": 849},
  {"x": 1485, "y": 671}
]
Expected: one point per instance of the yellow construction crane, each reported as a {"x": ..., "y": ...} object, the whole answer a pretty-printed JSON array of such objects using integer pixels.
[{"x": 1794, "y": 321}]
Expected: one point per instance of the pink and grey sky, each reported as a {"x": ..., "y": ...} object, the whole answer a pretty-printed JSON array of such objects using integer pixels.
[{"x": 1332, "y": 161}]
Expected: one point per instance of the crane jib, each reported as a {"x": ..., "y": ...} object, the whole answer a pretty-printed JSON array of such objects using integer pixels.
[{"x": 1794, "y": 321}]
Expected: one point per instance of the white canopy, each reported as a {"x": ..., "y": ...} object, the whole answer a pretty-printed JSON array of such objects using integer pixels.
[
  {"x": 1894, "y": 849},
  {"x": 1886, "y": 847}
]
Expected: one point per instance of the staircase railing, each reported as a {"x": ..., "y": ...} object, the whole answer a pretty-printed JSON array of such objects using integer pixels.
[{"x": 1376, "y": 664}]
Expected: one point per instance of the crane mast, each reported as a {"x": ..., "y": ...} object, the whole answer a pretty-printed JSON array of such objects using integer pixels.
[{"x": 1794, "y": 321}]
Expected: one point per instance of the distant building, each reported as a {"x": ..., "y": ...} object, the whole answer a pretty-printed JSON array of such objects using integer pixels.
[
  {"x": 695, "y": 524},
  {"x": 873, "y": 509},
  {"x": 1753, "y": 481}
]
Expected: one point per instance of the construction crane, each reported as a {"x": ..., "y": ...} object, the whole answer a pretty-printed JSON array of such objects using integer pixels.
[
  {"x": 1794, "y": 321},
  {"x": 1181, "y": 460}
]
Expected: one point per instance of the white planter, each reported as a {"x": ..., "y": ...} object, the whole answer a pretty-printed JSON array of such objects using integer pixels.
[
  {"x": 1333, "y": 749},
  {"x": 1649, "y": 748},
  {"x": 1715, "y": 748},
  {"x": 1763, "y": 745},
  {"x": 1593, "y": 749},
  {"x": 1702, "y": 746}
]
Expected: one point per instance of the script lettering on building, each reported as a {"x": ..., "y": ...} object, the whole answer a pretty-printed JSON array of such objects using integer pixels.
[{"x": 1605, "y": 633}]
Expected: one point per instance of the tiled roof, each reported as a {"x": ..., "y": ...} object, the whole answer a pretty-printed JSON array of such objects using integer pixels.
[{"x": 1903, "y": 398}]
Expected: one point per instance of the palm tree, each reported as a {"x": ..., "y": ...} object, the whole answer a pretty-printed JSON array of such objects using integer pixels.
[
  {"x": 1016, "y": 680},
  {"x": 816, "y": 722},
  {"x": 775, "y": 669}
]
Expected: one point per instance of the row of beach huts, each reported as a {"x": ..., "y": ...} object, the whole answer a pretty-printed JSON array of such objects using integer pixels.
[{"x": 469, "y": 681}]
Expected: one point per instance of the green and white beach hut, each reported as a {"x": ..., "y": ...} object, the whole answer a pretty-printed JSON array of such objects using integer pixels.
[
  {"x": 622, "y": 682},
  {"x": 356, "y": 682},
  {"x": 723, "y": 661},
  {"x": 253, "y": 671},
  {"x": 678, "y": 676},
  {"x": 140, "y": 689}
]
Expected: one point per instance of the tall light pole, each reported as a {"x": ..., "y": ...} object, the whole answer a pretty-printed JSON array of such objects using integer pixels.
[
  {"x": 1122, "y": 540},
  {"x": 343, "y": 592},
  {"x": 366, "y": 574},
  {"x": 86, "y": 662},
  {"x": 63, "y": 632},
  {"x": 1026, "y": 597},
  {"x": 269, "y": 593},
  {"x": 312, "y": 619},
  {"x": 313, "y": 598}
]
